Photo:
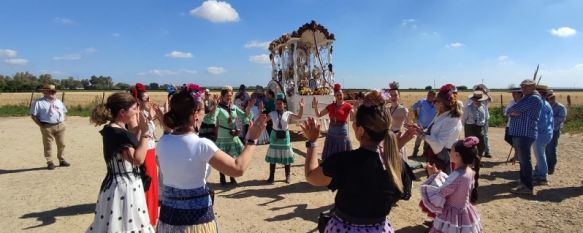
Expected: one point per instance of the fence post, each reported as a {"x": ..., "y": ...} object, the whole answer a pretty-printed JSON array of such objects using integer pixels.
[
  {"x": 63, "y": 97},
  {"x": 501, "y": 101},
  {"x": 103, "y": 97},
  {"x": 569, "y": 101}
]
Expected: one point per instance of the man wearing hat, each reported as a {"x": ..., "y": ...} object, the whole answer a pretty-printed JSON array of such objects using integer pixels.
[
  {"x": 524, "y": 116},
  {"x": 559, "y": 117},
  {"x": 48, "y": 113},
  {"x": 486, "y": 104},
  {"x": 545, "y": 134},
  {"x": 474, "y": 120}
]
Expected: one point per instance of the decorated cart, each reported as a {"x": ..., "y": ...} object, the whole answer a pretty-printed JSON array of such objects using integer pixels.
[{"x": 302, "y": 67}]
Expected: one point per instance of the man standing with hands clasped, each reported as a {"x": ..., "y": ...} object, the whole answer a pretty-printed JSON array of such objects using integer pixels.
[{"x": 48, "y": 113}]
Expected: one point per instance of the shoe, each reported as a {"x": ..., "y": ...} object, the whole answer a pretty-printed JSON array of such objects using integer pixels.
[
  {"x": 521, "y": 189},
  {"x": 540, "y": 182},
  {"x": 233, "y": 181},
  {"x": 270, "y": 180},
  {"x": 551, "y": 171},
  {"x": 64, "y": 163},
  {"x": 50, "y": 166},
  {"x": 222, "y": 180},
  {"x": 488, "y": 155},
  {"x": 287, "y": 179}
]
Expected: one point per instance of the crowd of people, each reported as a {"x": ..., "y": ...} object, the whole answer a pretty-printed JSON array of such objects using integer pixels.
[{"x": 160, "y": 184}]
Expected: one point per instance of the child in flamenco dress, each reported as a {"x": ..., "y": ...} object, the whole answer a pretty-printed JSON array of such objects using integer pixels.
[{"x": 447, "y": 198}]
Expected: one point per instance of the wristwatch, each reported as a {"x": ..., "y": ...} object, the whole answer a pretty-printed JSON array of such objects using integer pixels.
[
  {"x": 310, "y": 144},
  {"x": 251, "y": 142}
]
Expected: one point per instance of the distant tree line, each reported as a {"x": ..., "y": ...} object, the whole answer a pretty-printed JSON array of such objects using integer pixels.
[{"x": 25, "y": 81}]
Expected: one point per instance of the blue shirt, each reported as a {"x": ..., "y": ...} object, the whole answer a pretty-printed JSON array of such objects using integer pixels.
[
  {"x": 426, "y": 112},
  {"x": 47, "y": 111},
  {"x": 545, "y": 121},
  {"x": 525, "y": 124},
  {"x": 559, "y": 115}
]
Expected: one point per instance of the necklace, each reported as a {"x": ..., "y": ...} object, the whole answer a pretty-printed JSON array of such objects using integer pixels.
[{"x": 118, "y": 125}]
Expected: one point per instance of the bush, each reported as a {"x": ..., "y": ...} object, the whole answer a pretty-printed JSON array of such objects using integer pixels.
[{"x": 574, "y": 123}]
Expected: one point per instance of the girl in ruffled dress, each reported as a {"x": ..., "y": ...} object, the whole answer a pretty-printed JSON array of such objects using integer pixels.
[{"x": 447, "y": 198}]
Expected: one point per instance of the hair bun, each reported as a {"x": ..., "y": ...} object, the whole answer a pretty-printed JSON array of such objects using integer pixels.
[
  {"x": 393, "y": 85},
  {"x": 374, "y": 98}
]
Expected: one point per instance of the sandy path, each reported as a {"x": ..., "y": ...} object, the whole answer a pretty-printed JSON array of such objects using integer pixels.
[{"x": 37, "y": 200}]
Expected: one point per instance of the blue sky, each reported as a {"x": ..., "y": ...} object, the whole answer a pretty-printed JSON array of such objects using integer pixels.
[{"x": 414, "y": 42}]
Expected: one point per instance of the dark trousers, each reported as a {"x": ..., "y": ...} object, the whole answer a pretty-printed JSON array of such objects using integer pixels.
[
  {"x": 551, "y": 150},
  {"x": 476, "y": 131},
  {"x": 522, "y": 146}
]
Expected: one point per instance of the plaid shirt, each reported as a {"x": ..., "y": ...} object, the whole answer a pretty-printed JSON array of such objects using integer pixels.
[{"x": 525, "y": 124}]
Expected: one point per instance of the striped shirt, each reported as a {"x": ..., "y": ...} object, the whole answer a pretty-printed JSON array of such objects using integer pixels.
[{"x": 525, "y": 124}]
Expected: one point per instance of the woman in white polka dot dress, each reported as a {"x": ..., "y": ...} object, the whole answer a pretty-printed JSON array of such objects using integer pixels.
[{"x": 121, "y": 205}]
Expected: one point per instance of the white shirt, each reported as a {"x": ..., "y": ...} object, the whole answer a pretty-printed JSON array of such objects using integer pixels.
[
  {"x": 275, "y": 118},
  {"x": 184, "y": 160},
  {"x": 48, "y": 111},
  {"x": 444, "y": 132}
]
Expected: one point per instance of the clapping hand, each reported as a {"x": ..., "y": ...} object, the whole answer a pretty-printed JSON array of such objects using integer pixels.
[
  {"x": 311, "y": 129},
  {"x": 302, "y": 103}
]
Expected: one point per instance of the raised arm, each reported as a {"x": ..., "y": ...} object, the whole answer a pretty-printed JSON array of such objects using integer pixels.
[
  {"x": 313, "y": 171},
  {"x": 299, "y": 115},
  {"x": 316, "y": 111}
]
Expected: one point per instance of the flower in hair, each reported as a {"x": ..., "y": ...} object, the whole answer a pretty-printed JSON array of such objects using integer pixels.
[
  {"x": 471, "y": 141},
  {"x": 194, "y": 90},
  {"x": 140, "y": 87},
  {"x": 384, "y": 94}
]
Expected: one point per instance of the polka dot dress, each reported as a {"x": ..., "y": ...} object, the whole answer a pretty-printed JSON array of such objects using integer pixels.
[{"x": 122, "y": 207}]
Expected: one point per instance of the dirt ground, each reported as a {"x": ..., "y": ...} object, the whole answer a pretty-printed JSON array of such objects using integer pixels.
[{"x": 37, "y": 200}]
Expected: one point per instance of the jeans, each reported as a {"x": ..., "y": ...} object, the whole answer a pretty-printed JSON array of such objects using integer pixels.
[
  {"x": 540, "y": 145},
  {"x": 522, "y": 146},
  {"x": 486, "y": 144},
  {"x": 551, "y": 150}
]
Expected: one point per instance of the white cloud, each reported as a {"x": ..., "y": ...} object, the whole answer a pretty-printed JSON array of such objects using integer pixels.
[
  {"x": 16, "y": 61},
  {"x": 162, "y": 73},
  {"x": 579, "y": 67},
  {"x": 68, "y": 57},
  {"x": 90, "y": 50},
  {"x": 7, "y": 53},
  {"x": 406, "y": 22},
  {"x": 257, "y": 44},
  {"x": 116, "y": 34},
  {"x": 563, "y": 32},
  {"x": 215, "y": 70},
  {"x": 179, "y": 54},
  {"x": 260, "y": 59},
  {"x": 455, "y": 45},
  {"x": 65, "y": 21},
  {"x": 216, "y": 12}
]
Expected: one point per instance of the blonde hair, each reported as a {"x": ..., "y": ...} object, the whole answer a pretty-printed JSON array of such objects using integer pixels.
[
  {"x": 375, "y": 118},
  {"x": 104, "y": 113}
]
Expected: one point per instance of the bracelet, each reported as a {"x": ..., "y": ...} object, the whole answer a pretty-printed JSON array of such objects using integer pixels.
[
  {"x": 251, "y": 142},
  {"x": 311, "y": 144}
]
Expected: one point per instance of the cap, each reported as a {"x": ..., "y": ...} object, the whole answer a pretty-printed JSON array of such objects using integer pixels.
[{"x": 527, "y": 82}]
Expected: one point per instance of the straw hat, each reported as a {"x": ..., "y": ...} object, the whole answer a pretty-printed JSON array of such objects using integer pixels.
[
  {"x": 478, "y": 95},
  {"x": 48, "y": 87}
]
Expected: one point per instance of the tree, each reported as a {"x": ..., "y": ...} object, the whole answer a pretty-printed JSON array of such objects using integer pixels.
[
  {"x": 154, "y": 86},
  {"x": 462, "y": 88},
  {"x": 428, "y": 87},
  {"x": 122, "y": 86}
]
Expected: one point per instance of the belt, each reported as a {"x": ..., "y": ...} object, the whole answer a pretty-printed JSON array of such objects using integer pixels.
[
  {"x": 358, "y": 221},
  {"x": 49, "y": 124}
]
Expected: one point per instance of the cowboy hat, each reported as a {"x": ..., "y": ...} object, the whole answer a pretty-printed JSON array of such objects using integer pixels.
[
  {"x": 478, "y": 95},
  {"x": 48, "y": 87}
]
